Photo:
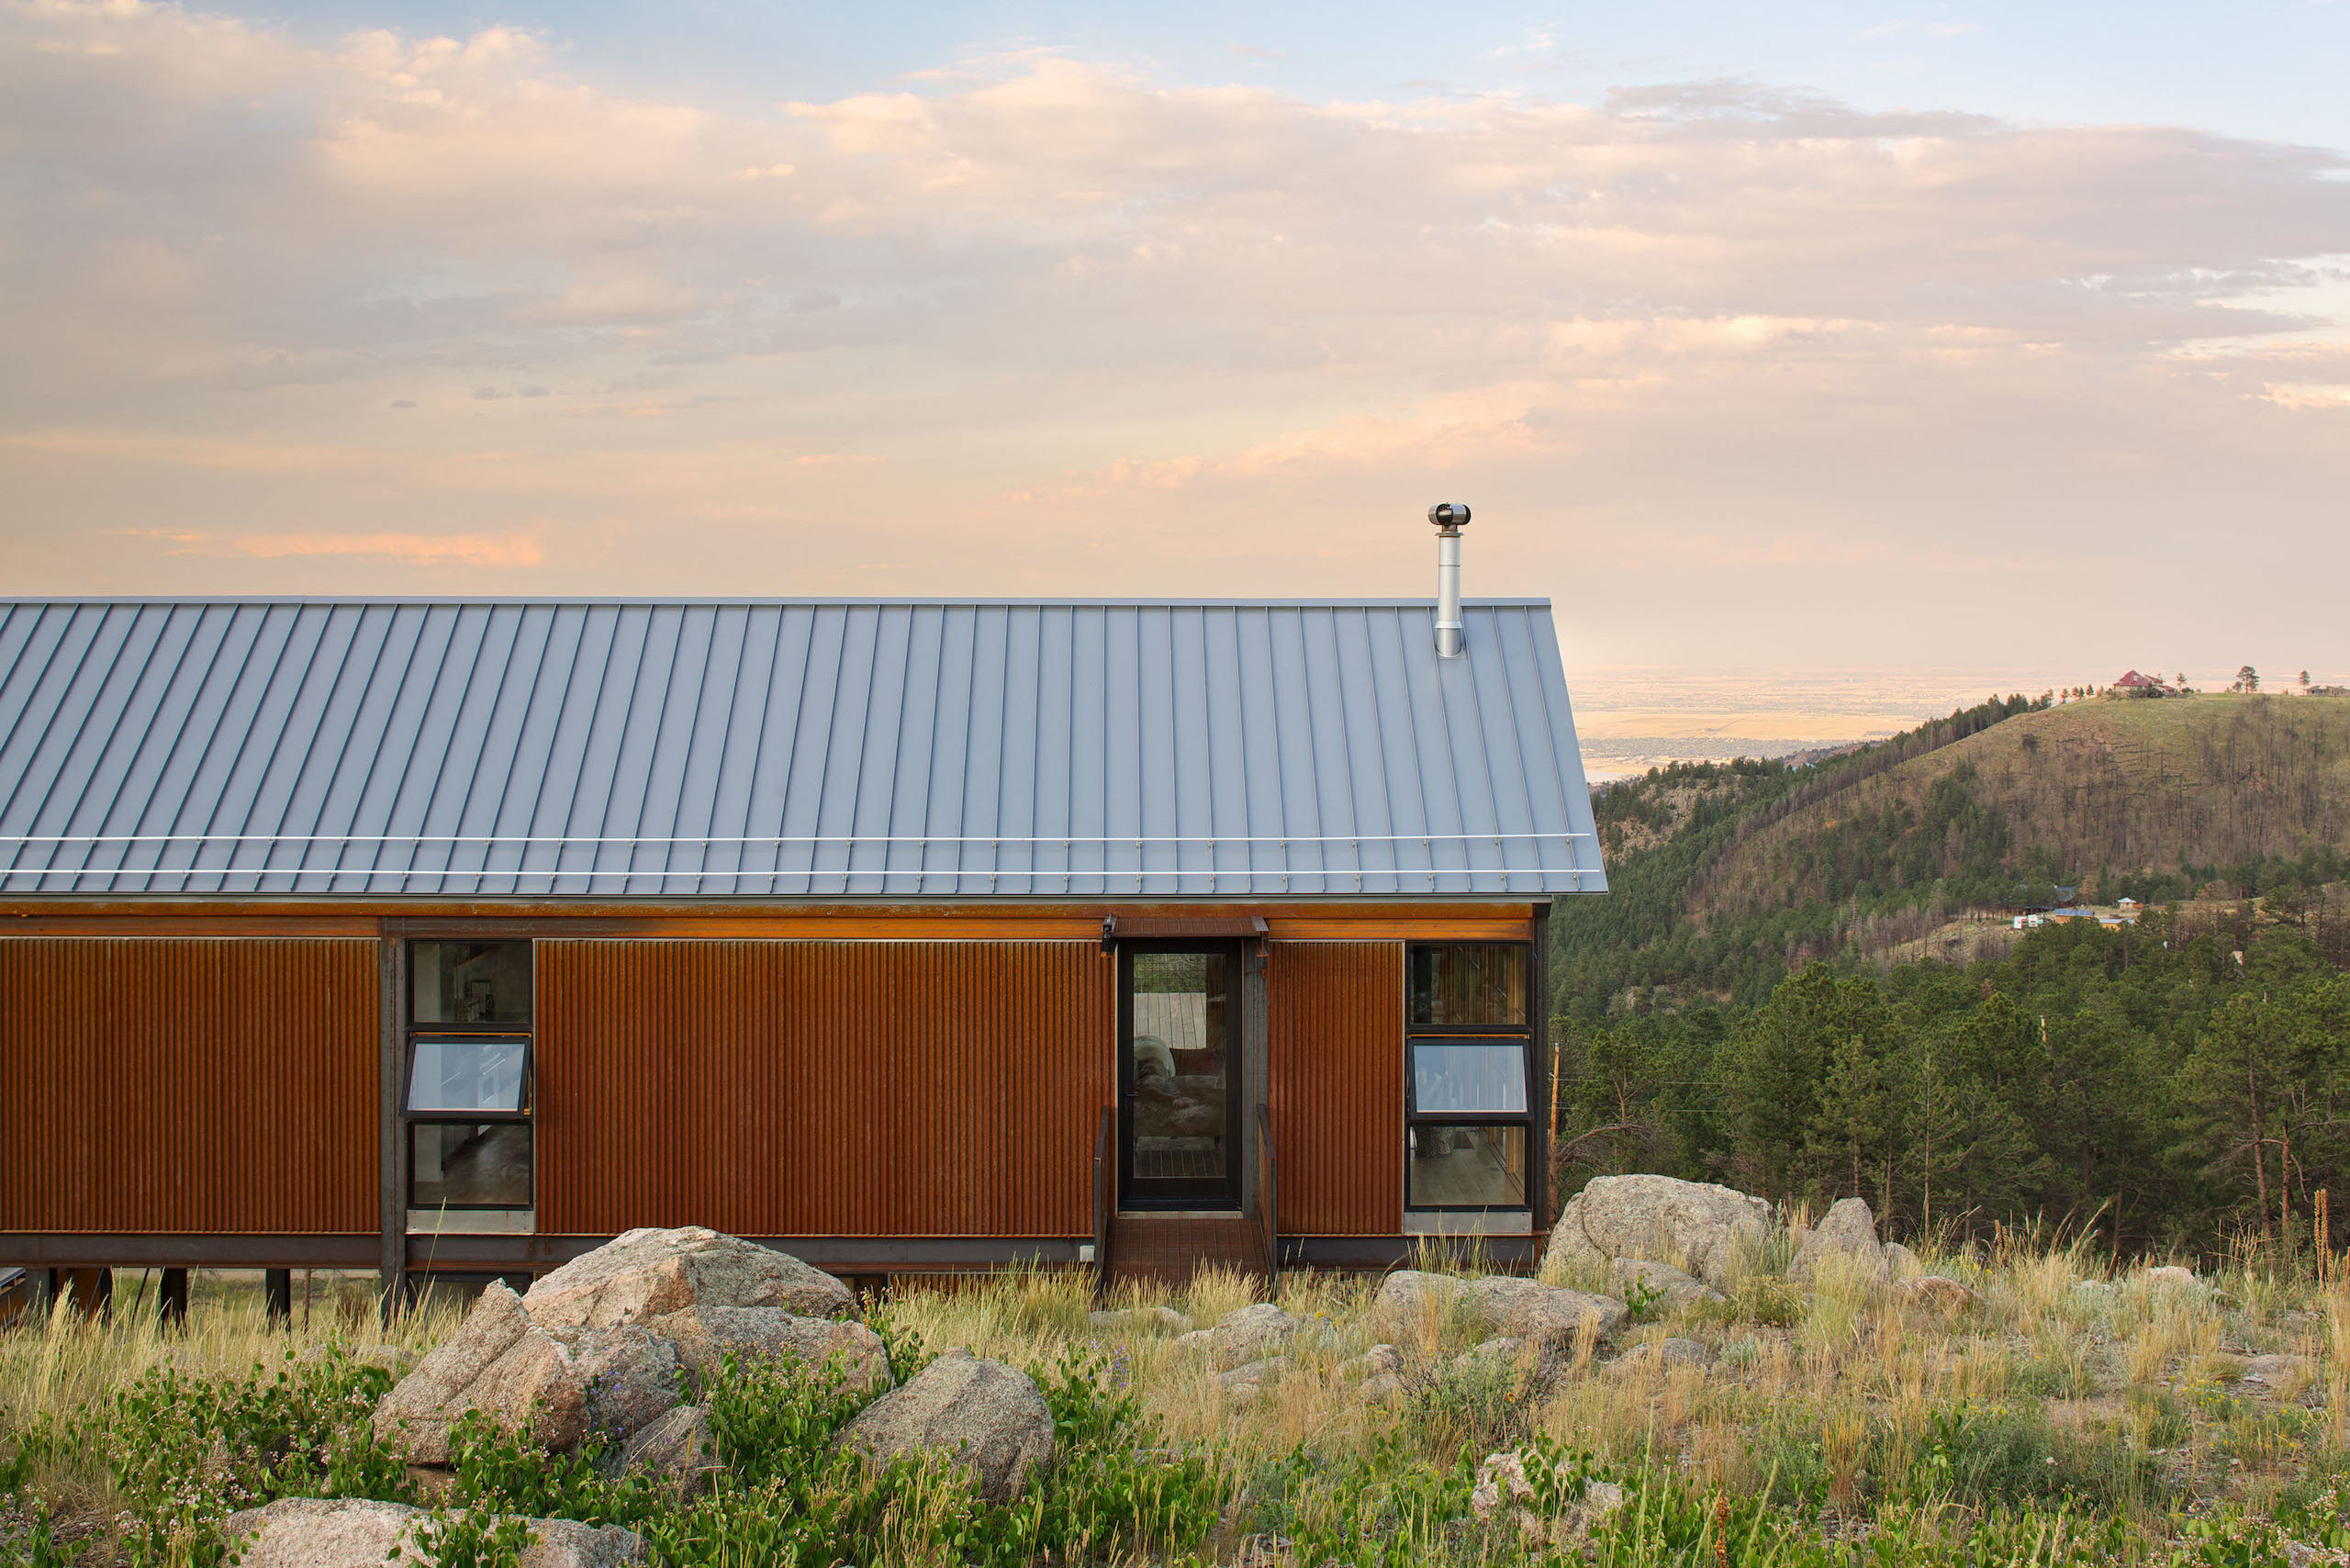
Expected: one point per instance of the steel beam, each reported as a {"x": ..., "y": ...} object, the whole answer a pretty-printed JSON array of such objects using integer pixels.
[
  {"x": 446, "y": 1254},
  {"x": 78, "y": 1250},
  {"x": 1510, "y": 1254}
]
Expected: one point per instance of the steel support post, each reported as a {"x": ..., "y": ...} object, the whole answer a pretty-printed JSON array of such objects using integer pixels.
[
  {"x": 170, "y": 1297},
  {"x": 277, "y": 1294}
]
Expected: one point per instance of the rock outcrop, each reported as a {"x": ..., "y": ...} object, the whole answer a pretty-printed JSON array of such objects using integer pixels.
[
  {"x": 351, "y": 1532},
  {"x": 1663, "y": 1355},
  {"x": 1414, "y": 1305},
  {"x": 1672, "y": 1286},
  {"x": 1243, "y": 1383},
  {"x": 1703, "y": 1229},
  {"x": 648, "y": 1273},
  {"x": 678, "y": 1451},
  {"x": 559, "y": 1387},
  {"x": 705, "y": 1336},
  {"x": 1377, "y": 1374},
  {"x": 1247, "y": 1334},
  {"x": 1506, "y": 1489},
  {"x": 1936, "y": 1292},
  {"x": 2277, "y": 1371},
  {"x": 1545, "y": 1315},
  {"x": 596, "y": 1347},
  {"x": 1141, "y": 1319},
  {"x": 983, "y": 1416},
  {"x": 471, "y": 1368},
  {"x": 1847, "y": 1231},
  {"x": 1507, "y": 1354}
]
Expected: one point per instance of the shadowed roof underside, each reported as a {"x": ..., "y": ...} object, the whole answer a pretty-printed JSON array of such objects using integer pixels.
[{"x": 785, "y": 748}]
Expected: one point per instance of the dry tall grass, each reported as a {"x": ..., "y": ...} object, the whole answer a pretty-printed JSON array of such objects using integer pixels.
[{"x": 1850, "y": 1392}]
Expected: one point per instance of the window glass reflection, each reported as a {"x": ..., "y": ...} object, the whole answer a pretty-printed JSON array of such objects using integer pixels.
[
  {"x": 1469, "y": 1077},
  {"x": 469, "y": 1165},
  {"x": 471, "y": 983},
  {"x": 1180, "y": 1056},
  {"x": 1467, "y": 1166},
  {"x": 455, "y": 1074},
  {"x": 1470, "y": 982}
]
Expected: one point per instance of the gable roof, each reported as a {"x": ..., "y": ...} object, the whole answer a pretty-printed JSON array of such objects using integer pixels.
[{"x": 935, "y": 748}]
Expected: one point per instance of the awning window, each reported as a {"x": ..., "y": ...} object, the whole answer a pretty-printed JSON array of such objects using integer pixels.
[{"x": 453, "y": 1073}]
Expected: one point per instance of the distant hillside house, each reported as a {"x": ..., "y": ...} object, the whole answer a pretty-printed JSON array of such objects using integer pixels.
[
  {"x": 2132, "y": 683},
  {"x": 460, "y": 936}
]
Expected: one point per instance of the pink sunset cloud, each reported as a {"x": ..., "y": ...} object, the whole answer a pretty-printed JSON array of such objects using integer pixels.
[{"x": 410, "y": 290}]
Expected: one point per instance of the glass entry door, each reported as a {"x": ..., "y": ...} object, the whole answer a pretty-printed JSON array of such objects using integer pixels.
[{"x": 1179, "y": 1074}]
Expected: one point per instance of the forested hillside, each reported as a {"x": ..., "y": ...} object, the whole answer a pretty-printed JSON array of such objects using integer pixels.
[
  {"x": 1725, "y": 877},
  {"x": 1754, "y": 1003},
  {"x": 2162, "y": 1087}
]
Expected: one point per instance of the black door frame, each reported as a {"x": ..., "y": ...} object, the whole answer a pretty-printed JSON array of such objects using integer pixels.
[{"x": 1167, "y": 1193}]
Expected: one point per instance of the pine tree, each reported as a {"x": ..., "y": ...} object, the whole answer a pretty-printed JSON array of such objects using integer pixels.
[
  {"x": 2242, "y": 1076},
  {"x": 1966, "y": 1151}
]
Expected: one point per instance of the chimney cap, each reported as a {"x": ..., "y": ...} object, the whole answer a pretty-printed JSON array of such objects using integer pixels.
[{"x": 1448, "y": 515}]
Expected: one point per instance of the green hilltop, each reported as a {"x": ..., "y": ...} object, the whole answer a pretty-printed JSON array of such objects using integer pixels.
[{"x": 1726, "y": 876}]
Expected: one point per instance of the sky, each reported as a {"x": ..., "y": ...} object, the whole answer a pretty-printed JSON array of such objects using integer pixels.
[{"x": 1840, "y": 337}]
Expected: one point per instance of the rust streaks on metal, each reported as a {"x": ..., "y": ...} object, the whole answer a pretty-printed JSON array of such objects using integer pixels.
[
  {"x": 188, "y": 1085},
  {"x": 812, "y": 1089},
  {"x": 1336, "y": 1085}
]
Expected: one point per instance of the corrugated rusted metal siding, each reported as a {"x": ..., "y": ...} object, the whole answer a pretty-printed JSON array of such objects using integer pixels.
[
  {"x": 1337, "y": 1028},
  {"x": 200, "y": 1085},
  {"x": 821, "y": 1088}
]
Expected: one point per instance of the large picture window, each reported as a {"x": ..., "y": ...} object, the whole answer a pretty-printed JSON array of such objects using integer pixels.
[
  {"x": 468, "y": 1094},
  {"x": 1468, "y": 1129}
]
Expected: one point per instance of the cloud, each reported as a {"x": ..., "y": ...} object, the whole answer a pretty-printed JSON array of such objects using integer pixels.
[
  {"x": 425, "y": 549},
  {"x": 1149, "y": 331},
  {"x": 463, "y": 549}
]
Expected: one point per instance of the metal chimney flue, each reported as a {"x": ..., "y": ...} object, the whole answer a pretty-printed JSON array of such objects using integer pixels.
[{"x": 1450, "y": 518}]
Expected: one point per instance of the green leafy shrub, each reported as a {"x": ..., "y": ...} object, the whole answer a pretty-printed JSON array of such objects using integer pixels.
[
  {"x": 470, "y": 1538},
  {"x": 1384, "y": 1504},
  {"x": 1112, "y": 1481},
  {"x": 1995, "y": 1456},
  {"x": 185, "y": 1451}
]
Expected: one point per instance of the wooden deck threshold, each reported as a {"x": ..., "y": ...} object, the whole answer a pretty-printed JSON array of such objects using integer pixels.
[{"x": 1167, "y": 1249}]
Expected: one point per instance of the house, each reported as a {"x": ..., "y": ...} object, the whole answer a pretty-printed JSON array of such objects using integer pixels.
[
  {"x": 459, "y": 936},
  {"x": 2132, "y": 683}
]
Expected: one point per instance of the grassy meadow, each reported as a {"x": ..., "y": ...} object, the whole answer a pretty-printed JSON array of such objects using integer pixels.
[{"x": 2072, "y": 1414}]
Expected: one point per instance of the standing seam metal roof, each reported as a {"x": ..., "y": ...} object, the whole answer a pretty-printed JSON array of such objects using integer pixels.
[{"x": 787, "y": 748}]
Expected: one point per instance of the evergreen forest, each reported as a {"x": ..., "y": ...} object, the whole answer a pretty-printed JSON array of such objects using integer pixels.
[{"x": 1805, "y": 982}]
